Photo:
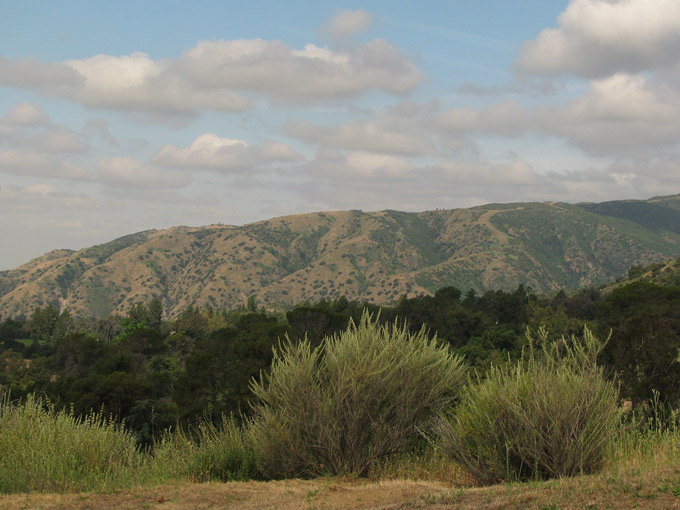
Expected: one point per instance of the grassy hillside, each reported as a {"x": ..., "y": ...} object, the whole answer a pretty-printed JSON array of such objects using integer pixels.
[{"x": 376, "y": 256}]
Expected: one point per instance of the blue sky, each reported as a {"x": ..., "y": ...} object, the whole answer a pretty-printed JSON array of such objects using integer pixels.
[{"x": 117, "y": 117}]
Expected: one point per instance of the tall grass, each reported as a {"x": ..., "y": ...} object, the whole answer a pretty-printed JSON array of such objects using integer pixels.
[
  {"x": 552, "y": 414},
  {"x": 361, "y": 396},
  {"x": 42, "y": 449},
  {"x": 209, "y": 452},
  {"x": 646, "y": 442}
]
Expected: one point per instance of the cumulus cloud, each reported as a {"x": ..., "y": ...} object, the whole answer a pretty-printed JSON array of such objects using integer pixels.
[
  {"x": 597, "y": 38},
  {"x": 136, "y": 82},
  {"x": 507, "y": 119},
  {"x": 372, "y": 181},
  {"x": 359, "y": 165},
  {"x": 42, "y": 196},
  {"x": 348, "y": 23},
  {"x": 57, "y": 140},
  {"x": 484, "y": 173},
  {"x": 26, "y": 126},
  {"x": 129, "y": 172},
  {"x": 210, "y": 151},
  {"x": 55, "y": 78},
  {"x": 311, "y": 74},
  {"x": 26, "y": 115},
  {"x": 216, "y": 75},
  {"x": 622, "y": 115},
  {"x": 39, "y": 165},
  {"x": 100, "y": 128},
  {"x": 400, "y": 130}
]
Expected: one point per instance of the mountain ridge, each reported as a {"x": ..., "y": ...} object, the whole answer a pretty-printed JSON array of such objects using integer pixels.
[{"x": 375, "y": 256}]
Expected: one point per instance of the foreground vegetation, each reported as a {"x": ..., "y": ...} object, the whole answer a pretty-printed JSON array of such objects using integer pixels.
[
  {"x": 374, "y": 401},
  {"x": 341, "y": 389}
]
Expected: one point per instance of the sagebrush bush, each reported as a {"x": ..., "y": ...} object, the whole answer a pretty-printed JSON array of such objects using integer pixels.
[
  {"x": 212, "y": 452},
  {"x": 360, "y": 396},
  {"x": 551, "y": 414},
  {"x": 42, "y": 449}
]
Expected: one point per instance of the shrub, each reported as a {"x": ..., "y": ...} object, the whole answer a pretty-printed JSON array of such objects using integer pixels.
[
  {"x": 552, "y": 414},
  {"x": 360, "y": 396},
  {"x": 42, "y": 449},
  {"x": 213, "y": 452}
]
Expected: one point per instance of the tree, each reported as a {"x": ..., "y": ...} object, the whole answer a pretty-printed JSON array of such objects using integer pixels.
[
  {"x": 155, "y": 314},
  {"x": 43, "y": 322},
  {"x": 218, "y": 372},
  {"x": 643, "y": 350}
]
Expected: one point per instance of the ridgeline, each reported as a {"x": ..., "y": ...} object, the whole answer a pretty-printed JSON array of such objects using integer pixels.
[{"x": 372, "y": 256}]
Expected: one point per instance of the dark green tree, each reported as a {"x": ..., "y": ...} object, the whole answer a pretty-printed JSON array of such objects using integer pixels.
[
  {"x": 645, "y": 337},
  {"x": 218, "y": 372}
]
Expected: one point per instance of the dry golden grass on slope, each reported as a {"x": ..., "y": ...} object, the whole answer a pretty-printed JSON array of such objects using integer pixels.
[{"x": 654, "y": 489}]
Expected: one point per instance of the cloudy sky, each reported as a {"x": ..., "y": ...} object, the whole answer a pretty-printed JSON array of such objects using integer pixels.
[{"x": 123, "y": 116}]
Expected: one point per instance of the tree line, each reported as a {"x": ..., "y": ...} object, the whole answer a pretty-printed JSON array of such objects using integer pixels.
[{"x": 154, "y": 373}]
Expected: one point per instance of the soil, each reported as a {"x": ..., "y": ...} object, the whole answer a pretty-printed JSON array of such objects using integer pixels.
[{"x": 660, "y": 490}]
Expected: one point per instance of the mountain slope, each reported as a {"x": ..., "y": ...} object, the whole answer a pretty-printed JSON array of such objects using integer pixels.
[{"x": 376, "y": 256}]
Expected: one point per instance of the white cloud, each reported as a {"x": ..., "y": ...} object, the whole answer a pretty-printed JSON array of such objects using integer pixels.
[
  {"x": 42, "y": 197},
  {"x": 623, "y": 115},
  {"x": 480, "y": 173},
  {"x": 135, "y": 82},
  {"x": 507, "y": 119},
  {"x": 371, "y": 182},
  {"x": 26, "y": 126},
  {"x": 215, "y": 75},
  {"x": 58, "y": 139},
  {"x": 100, "y": 127},
  {"x": 54, "y": 78},
  {"x": 39, "y": 165},
  {"x": 314, "y": 73},
  {"x": 129, "y": 172},
  {"x": 388, "y": 133},
  {"x": 210, "y": 151},
  {"x": 26, "y": 115},
  {"x": 597, "y": 38},
  {"x": 347, "y": 23}
]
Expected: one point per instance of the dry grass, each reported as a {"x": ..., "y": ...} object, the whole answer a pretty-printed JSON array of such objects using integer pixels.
[
  {"x": 655, "y": 489},
  {"x": 626, "y": 482}
]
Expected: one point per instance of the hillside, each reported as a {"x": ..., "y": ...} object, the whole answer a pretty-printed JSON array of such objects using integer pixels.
[{"x": 375, "y": 256}]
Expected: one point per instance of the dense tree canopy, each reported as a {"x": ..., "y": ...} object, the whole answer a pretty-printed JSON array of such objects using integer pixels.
[{"x": 155, "y": 372}]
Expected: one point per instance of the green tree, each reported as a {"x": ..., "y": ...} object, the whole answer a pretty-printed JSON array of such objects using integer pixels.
[
  {"x": 43, "y": 322},
  {"x": 643, "y": 350},
  {"x": 155, "y": 314},
  {"x": 218, "y": 372}
]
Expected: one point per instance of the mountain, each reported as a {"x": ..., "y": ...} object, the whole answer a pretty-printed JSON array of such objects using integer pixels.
[
  {"x": 664, "y": 274},
  {"x": 376, "y": 256}
]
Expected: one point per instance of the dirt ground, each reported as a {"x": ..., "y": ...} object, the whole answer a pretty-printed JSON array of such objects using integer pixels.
[{"x": 660, "y": 491}]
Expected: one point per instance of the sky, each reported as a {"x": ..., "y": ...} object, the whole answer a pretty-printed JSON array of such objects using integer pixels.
[{"x": 118, "y": 117}]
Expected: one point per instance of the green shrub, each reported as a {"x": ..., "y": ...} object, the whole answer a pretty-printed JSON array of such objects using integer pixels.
[
  {"x": 359, "y": 397},
  {"x": 552, "y": 414},
  {"x": 42, "y": 449},
  {"x": 213, "y": 452}
]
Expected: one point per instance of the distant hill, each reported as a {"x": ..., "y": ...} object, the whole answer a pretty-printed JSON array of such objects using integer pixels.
[
  {"x": 659, "y": 273},
  {"x": 375, "y": 256}
]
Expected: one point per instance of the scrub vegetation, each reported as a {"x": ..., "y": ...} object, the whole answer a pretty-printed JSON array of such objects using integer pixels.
[{"x": 460, "y": 390}]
